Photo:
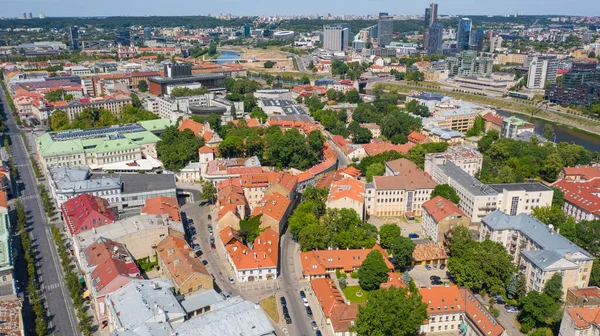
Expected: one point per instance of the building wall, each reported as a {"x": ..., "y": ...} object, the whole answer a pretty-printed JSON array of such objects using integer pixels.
[
  {"x": 348, "y": 203},
  {"x": 386, "y": 202},
  {"x": 442, "y": 323},
  {"x": 568, "y": 327},
  {"x": 525, "y": 201},
  {"x": 196, "y": 283},
  {"x": 437, "y": 230}
]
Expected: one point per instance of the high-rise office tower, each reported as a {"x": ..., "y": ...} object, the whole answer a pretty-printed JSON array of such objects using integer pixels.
[
  {"x": 147, "y": 33},
  {"x": 246, "y": 30},
  {"x": 430, "y": 19},
  {"x": 435, "y": 39},
  {"x": 433, "y": 9},
  {"x": 427, "y": 17},
  {"x": 476, "y": 39},
  {"x": 495, "y": 43},
  {"x": 333, "y": 37},
  {"x": 74, "y": 35},
  {"x": 542, "y": 70},
  {"x": 123, "y": 36},
  {"x": 463, "y": 34},
  {"x": 29, "y": 16},
  {"x": 385, "y": 30}
]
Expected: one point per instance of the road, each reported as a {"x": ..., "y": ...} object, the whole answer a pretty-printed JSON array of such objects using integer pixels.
[{"x": 61, "y": 319}]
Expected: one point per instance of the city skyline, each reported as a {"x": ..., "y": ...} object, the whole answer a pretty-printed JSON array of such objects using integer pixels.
[{"x": 73, "y": 8}]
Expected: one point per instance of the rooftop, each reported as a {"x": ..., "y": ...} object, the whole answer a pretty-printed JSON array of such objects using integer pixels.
[
  {"x": 77, "y": 179},
  {"x": 138, "y": 183},
  {"x": 179, "y": 259},
  {"x": 431, "y": 251},
  {"x": 347, "y": 188},
  {"x": 470, "y": 183},
  {"x": 264, "y": 252},
  {"x": 85, "y": 212},
  {"x": 10, "y": 316},
  {"x": 106, "y": 260},
  {"x": 162, "y": 205},
  {"x": 318, "y": 261},
  {"x": 440, "y": 208},
  {"x": 584, "y": 317}
]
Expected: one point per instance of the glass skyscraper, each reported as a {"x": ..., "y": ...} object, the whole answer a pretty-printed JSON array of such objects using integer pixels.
[{"x": 463, "y": 34}]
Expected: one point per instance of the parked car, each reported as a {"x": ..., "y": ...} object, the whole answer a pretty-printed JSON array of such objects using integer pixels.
[
  {"x": 285, "y": 310},
  {"x": 288, "y": 319},
  {"x": 314, "y": 325},
  {"x": 212, "y": 245},
  {"x": 442, "y": 266},
  {"x": 304, "y": 299},
  {"x": 435, "y": 266},
  {"x": 318, "y": 333},
  {"x": 226, "y": 294},
  {"x": 413, "y": 236},
  {"x": 209, "y": 217},
  {"x": 437, "y": 282},
  {"x": 204, "y": 262},
  {"x": 283, "y": 301},
  {"x": 434, "y": 277},
  {"x": 309, "y": 312},
  {"x": 427, "y": 267},
  {"x": 511, "y": 309},
  {"x": 231, "y": 281},
  {"x": 210, "y": 228}
]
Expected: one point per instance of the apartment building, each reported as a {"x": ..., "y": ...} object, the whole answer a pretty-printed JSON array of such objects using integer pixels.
[
  {"x": 581, "y": 186},
  {"x": 468, "y": 159},
  {"x": 113, "y": 104},
  {"x": 440, "y": 216},
  {"x": 477, "y": 199},
  {"x": 538, "y": 250},
  {"x": 347, "y": 193},
  {"x": 401, "y": 192},
  {"x": 318, "y": 263},
  {"x": 512, "y": 127},
  {"x": 258, "y": 263},
  {"x": 542, "y": 69}
]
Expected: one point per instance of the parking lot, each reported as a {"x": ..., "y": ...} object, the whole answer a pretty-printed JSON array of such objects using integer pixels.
[{"x": 421, "y": 276}]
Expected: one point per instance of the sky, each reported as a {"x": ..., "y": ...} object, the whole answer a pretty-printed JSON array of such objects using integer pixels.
[{"x": 12, "y": 8}]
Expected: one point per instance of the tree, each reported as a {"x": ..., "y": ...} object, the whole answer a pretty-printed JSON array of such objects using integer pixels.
[
  {"x": 554, "y": 288},
  {"x": 58, "y": 120},
  {"x": 402, "y": 249},
  {"x": 250, "y": 229},
  {"x": 486, "y": 141},
  {"x": 511, "y": 288},
  {"x": 143, "y": 86},
  {"x": 178, "y": 148},
  {"x": 548, "y": 132},
  {"x": 558, "y": 198},
  {"x": 314, "y": 236},
  {"x": 209, "y": 192},
  {"x": 231, "y": 147},
  {"x": 68, "y": 97},
  {"x": 521, "y": 285},
  {"x": 135, "y": 100},
  {"x": 376, "y": 169},
  {"x": 373, "y": 271},
  {"x": 387, "y": 233},
  {"x": 537, "y": 310},
  {"x": 269, "y": 64},
  {"x": 259, "y": 114},
  {"x": 446, "y": 192},
  {"x": 55, "y": 95},
  {"x": 391, "y": 312},
  {"x": 353, "y": 97},
  {"x": 478, "y": 127}
]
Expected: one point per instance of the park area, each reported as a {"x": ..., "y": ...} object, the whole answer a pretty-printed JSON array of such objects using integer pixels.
[{"x": 355, "y": 294}]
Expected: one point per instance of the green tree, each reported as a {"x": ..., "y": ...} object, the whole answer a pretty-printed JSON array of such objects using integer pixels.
[
  {"x": 135, "y": 100},
  {"x": 554, "y": 288},
  {"x": 521, "y": 285},
  {"x": 178, "y": 148},
  {"x": 387, "y": 233},
  {"x": 209, "y": 192},
  {"x": 231, "y": 147},
  {"x": 269, "y": 64},
  {"x": 55, "y": 95},
  {"x": 391, "y": 312},
  {"x": 143, "y": 86},
  {"x": 373, "y": 271},
  {"x": 314, "y": 236},
  {"x": 446, "y": 192},
  {"x": 187, "y": 92},
  {"x": 259, "y": 114},
  {"x": 353, "y": 97},
  {"x": 486, "y": 141},
  {"x": 376, "y": 169},
  {"x": 58, "y": 120},
  {"x": 250, "y": 229},
  {"x": 548, "y": 132},
  {"x": 537, "y": 310},
  {"x": 511, "y": 288},
  {"x": 558, "y": 198},
  {"x": 68, "y": 97},
  {"x": 402, "y": 249},
  {"x": 130, "y": 114},
  {"x": 478, "y": 127}
]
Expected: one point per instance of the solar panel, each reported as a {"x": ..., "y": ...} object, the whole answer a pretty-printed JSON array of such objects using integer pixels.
[{"x": 97, "y": 132}]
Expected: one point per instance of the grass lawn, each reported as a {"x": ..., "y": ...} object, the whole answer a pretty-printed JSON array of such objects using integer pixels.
[
  {"x": 350, "y": 294},
  {"x": 269, "y": 305}
]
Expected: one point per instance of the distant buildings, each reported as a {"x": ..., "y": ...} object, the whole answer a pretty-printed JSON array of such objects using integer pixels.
[
  {"x": 385, "y": 30},
  {"x": 335, "y": 37},
  {"x": 74, "y": 37},
  {"x": 579, "y": 86},
  {"x": 512, "y": 127},
  {"x": 467, "y": 63},
  {"x": 538, "y": 250},
  {"x": 181, "y": 74},
  {"x": 463, "y": 34},
  {"x": 440, "y": 216},
  {"x": 468, "y": 159},
  {"x": 434, "y": 44},
  {"x": 542, "y": 70}
]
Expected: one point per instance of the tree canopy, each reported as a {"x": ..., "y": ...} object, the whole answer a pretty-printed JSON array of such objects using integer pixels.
[
  {"x": 250, "y": 229},
  {"x": 373, "y": 271},
  {"x": 446, "y": 192},
  {"x": 178, "y": 148},
  {"x": 402, "y": 249},
  {"x": 387, "y": 234}
]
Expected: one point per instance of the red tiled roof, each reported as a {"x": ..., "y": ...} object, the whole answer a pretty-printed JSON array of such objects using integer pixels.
[
  {"x": 416, "y": 137},
  {"x": 375, "y": 148},
  {"x": 179, "y": 259},
  {"x": 479, "y": 315},
  {"x": 206, "y": 149},
  {"x": 162, "y": 205},
  {"x": 442, "y": 299},
  {"x": 394, "y": 280},
  {"x": 327, "y": 294},
  {"x": 347, "y": 188},
  {"x": 493, "y": 118},
  {"x": 587, "y": 172},
  {"x": 316, "y": 262},
  {"x": 10, "y": 316},
  {"x": 193, "y": 126},
  {"x": 264, "y": 253},
  {"x": 274, "y": 205},
  {"x": 584, "y": 317},
  {"x": 440, "y": 208},
  {"x": 109, "y": 260},
  {"x": 85, "y": 212},
  {"x": 581, "y": 194}
]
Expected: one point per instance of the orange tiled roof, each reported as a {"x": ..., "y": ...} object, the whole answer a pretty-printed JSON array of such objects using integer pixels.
[
  {"x": 3, "y": 199},
  {"x": 327, "y": 294},
  {"x": 440, "y": 208},
  {"x": 162, "y": 205},
  {"x": 229, "y": 235},
  {"x": 584, "y": 317},
  {"x": 206, "y": 149},
  {"x": 347, "y": 188},
  {"x": 263, "y": 255},
  {"x": 316, "y": 262},
  {"x": 263, "y": 180},
  {"x": 274, "y": 205},
  {"x": 394, "y": 280},
  {"x": 375, "y": 148},
  {"x": 225, "y": 209},
  {"x": 587, "y": 172},
  {"x": 442, "y": 299},
  {"x": 416, "y": 137},
  {"x": 433, "y": 251},
  {"x": 493, "y": 118},
  {"x": 342, "y": 316},
  {"x": 193, "y": 126},
  {"x": 179, "y": 259},
  {"x": 479, "y": 315},
  {"x": 581, "y": 194},
  {"x": 351, "y": 171}
]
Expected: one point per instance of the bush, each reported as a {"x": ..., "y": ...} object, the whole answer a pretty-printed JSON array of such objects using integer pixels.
[
  {"x": 354, "y": 275},
  {"x": 339, "y": 274},
  {"x": 494, "y": 312}
]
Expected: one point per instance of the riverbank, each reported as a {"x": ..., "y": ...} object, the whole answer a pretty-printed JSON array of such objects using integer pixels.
[{"x": 562, "y": 119}]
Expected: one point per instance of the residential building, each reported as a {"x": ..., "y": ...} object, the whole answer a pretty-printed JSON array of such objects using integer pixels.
[
  {"x": 114, "y": 104},
  {"x": 257, "y": 186},
  {"x": 107, "y": 266},
  {"x": 67, "y": 182},
  {"x": 542, "y": 70},
  {"x": 580, "y": 321},
  {"x": 478, "y": 199},
  {"x": 438, "y": 134},
  {"x": 338, "y": 314},
  {"x": 493, "y": 122},
  {"x": 467, "y": 63},
  {"x": 457, "y": 310},
  {"x": 86, "y": 212},
  {"x": 463, "y": 34},
  {"x": 513, "y": 126},
  {"x": 179, "y": 263},
  {"x": 579, "y": 86},
  {"x": 347, "y": 193},
  {"x": 253, "y": 264},
  {"x": 468, "y": 159},
  {"x": 432, "y": 254},
  {"x": 162, "y": 205},
  {"x": 538, "y": 250},
  {"x": 511, "y": 58},
  {"x": 11, "y": 316},
  {"x": 7, "y": 284},
  {"x": 440, "y": 216},
  {"x": 274, "y": 210},
  {"x": 400, "y": 193},
  {"x": 581, "y": 198},
  {"x": 373, "y": 128},
  {"x": 318, "y": 263},
  {"x": 586, "y": 296},
  {"x": 129, "y": 147},
  {"x": 334, "y": 37},
  {"x": 496, "y": 43}
]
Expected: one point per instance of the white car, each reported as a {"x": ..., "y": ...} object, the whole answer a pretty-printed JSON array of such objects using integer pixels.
[{"x": 231, "y": 281}]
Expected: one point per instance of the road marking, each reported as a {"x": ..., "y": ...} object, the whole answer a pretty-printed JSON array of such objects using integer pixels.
[
  {"x": 52, "y": 286},
  {"x": 28, "y": 197}
]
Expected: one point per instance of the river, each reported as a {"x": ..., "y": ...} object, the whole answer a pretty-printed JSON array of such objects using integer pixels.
[
  {"x": 227, "y": 57},
  {"x": 563, "y": 134}
]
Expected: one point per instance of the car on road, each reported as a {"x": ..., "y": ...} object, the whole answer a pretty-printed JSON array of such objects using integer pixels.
[
  {"x": 209, "y": 217},
  {"x": 309, "y": 312},
  {"x": 231, "y": 281},
  {"x": 434, "y": 277},
  {"x": 212, "y": 245},
  {"x": 288, "y": 319},
  {"x": 318, "y": 333},
  {"x": 210, "y": 229},
  {"x": 204, "y": 262},
  {"x": 427, "y": 267},
  {"x": 226, "y": 294},
  {"x": 511, "y": 309},
  {"x": 304, "y": 299},
  {"x": 283, "y": 301},
  {"x": 413, "y": 236},
  {"x": 437, "y": 282},
  {"x": 314, "y": 325}
]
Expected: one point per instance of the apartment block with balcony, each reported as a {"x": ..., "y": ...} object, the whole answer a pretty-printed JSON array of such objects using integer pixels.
[{"x": 538, "y": 250}]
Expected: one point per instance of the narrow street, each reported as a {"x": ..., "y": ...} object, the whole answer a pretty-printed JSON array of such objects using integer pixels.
[{"x": 61, "y": 317}]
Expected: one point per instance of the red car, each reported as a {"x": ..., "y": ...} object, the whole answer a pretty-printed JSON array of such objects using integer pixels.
[{"x": 212, "y": 246}]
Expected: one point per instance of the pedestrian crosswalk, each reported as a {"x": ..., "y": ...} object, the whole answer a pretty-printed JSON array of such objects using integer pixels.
[
  {"x": 28, "y": 197},
  {"x": 52, "y": 286}
]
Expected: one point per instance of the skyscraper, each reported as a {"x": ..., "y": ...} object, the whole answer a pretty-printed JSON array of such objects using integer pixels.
[
  {"x": 333, "y": 37},
  {"x": 542, "y": 69},
  {"x": 246, "y": 30},
  {"x": 385, "y": 30},
  {"x": 147, "y": 34},
  {"x": 29, "y": 16},
  {"x": 430, "y": 19},
  {"x": 74, "y": 35},
  {"x": 495, "y": 43},
  {"x": 476, "y": 39},
  {"x": 123, "y": 36},
  {"x": 433, "y": 8},
  {"x": 427, "y": 17},
  {"x": 463, "y": 34},
  {"x": 435, "y": 39}
]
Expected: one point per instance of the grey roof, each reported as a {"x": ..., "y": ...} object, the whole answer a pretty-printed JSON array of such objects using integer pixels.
[
  {"x": 200, "y": 300},
  {"x": 443, "y": 133},
  {"x": 529, "y": 187},
  {"x": 277, "y": 102},
  {"x": 527, "y": 135},
  {"x": 137, "y": 183},
  {"x": 551, "y": 243},
  {"x": 77, "y": 178},
  {"x": 293, "y": 110},
  {"x": 142, "y": 301},
  {"x": 471, "y": 184},
  {"x": 295, "y": 117},
  {"x": 232, "y": 317}
]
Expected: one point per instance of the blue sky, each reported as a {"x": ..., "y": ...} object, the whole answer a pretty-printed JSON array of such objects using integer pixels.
[{"x": 11, "y": 8}]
